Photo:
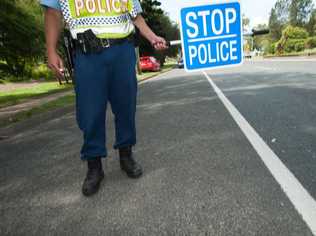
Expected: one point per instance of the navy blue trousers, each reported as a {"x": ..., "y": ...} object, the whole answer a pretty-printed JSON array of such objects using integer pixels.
[{"x": 109, "y": 76}]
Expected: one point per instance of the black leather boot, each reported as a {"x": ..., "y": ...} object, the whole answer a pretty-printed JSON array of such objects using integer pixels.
[
  {"x": 128, "y": 163},
  {"x": 94, "y": 177}
]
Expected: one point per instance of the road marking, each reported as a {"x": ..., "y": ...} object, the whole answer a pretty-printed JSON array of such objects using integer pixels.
[{"x": 298, "y": 195}]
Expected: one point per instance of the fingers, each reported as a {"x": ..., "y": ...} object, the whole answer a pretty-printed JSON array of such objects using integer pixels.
[
  {"x": 61, "y": 68},
  {"x": 61, "y": 64},
  {"x": 59, "y": 72},
  {"x": 57, "y": 67},
  {"x": 161, "y": 44}
]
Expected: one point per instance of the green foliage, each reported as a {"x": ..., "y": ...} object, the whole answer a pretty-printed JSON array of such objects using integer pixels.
[
  {"x": 15, "y": 96},
  {"x": 272, "y": 48},
  {"x": 311, "y": 25},
  {"x": 291, "y": 32},
  {"x": 41, "y": 72},
  {"x": 245, "y": 22},
  {"x": 160, "y": 23},
  {"x": 291, "y": 45},
  {"x": 292, "y": 13},
  {"x": 292, "y": 40},
  {"x": 151, "y": 14},
  {"x": 274, "y": 26},
  {"x": 278, "y": 18},
  {"x": 261, "y": 42},
  {"x": 21, "y": 34},
  {"x": 299, "y": 12},
  {"x": 310, "y": 43},
  {"x": 61, "y": 102},
  {"x": 299, "y": 45}
]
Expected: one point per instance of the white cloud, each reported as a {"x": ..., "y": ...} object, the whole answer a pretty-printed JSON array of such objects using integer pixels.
[{"x": 259, "y": 20}]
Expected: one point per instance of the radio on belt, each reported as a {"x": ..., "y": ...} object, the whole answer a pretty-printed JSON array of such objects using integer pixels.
[{"x": 212, "y": 36}]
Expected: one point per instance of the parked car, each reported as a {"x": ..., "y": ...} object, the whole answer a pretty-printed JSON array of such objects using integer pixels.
[
  {"x": 180, "y": 63},
  {"x": 149, "y": 63}
]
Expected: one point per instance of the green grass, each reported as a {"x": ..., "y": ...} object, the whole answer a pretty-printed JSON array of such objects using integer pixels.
[
  {"x": 306, "y": 52},
  {"x": 44, "y": 89},
  {"x": 58, "y": 103},
  {"x": 146, "y": 75},
  {"x": 12, "y": 97}
]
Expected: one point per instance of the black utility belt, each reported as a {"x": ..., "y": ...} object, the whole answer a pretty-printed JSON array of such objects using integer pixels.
[{"x": 87, "y": 42}]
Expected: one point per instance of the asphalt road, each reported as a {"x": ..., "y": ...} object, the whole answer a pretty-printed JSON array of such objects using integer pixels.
[{"x": 202, "y": 176}]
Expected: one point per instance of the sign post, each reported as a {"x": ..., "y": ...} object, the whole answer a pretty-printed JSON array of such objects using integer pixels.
[{"x": 212, "y": 36}]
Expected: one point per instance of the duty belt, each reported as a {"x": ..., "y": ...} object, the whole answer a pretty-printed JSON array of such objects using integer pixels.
[{"x": 87, "y": 42}]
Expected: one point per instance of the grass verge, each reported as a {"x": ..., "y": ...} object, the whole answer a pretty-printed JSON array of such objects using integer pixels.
[
  {"x": 13, "y": 97},
  {"x": 147, "y": 75},
  {"x": 307, "y": 52},
  {"x": 62, "y": 102},
  {"x": 65, "y": 101}
]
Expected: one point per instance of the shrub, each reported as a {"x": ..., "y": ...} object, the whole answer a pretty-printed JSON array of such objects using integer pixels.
[
  {"x": 292, "y": 45},
  {"x": 291, "y": 32},
  {"x": 310, "y": 42},
  {"x": 271, "y": 48},
  {"x": 299, "y": 46},
  {"x": 279, "y": 48},
  {"x": 41, "y": 72},
  {"x": 21, "y": 34}
]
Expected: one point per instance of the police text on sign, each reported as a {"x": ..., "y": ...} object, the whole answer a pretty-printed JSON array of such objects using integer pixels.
[{"x": 211, "y": 35}]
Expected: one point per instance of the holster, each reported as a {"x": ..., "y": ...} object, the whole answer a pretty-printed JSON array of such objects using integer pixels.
[{"x": 89, "y": 43}]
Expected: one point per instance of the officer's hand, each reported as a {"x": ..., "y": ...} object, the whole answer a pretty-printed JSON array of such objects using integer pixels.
[
  {"x": 159, "y": 43},
  {"x": 55, "y": 63}
]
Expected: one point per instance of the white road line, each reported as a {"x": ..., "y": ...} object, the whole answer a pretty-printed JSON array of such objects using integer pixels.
[{"x": 298, "y": 195}]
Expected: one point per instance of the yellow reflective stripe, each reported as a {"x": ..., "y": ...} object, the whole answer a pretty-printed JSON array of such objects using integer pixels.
[
  {"x": 100, "y": 26},
  {"x": 104, "y": 34},
  {"x": 113, "y": 36}
]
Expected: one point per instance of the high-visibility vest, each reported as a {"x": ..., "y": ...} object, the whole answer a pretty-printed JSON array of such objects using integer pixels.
[{"x": 106, "y": 18}]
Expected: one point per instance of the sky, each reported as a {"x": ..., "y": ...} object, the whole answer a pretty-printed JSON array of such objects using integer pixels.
[{"x": 257, "y": 10}]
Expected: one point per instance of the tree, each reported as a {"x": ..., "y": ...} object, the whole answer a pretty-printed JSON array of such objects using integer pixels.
[
  {"x": 171, "y": 32},
  {"x": 274, "y": 26},
  {"x": 311, "y": 25},
  {"x": 245, "y": 23},
  {"x": 151, "y": 13},
  {"x": 247, "y": 41},
  {"x": 161, "y": 24},
  {"x": 21, "y": 35},
  {"x": 261, "y": 42},
  {"x": 293, "y": 39},
  {"x": 295, "y": 13},
  {"x": 278, "y": 18},
  {"x": 300, "y": 11}
]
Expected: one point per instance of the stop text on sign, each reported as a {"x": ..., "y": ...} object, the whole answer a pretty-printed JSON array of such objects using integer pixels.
[{"x": 211, "y": 36}]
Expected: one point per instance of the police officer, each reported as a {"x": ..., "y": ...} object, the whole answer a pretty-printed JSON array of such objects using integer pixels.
[{"x": 104, "y": 72}]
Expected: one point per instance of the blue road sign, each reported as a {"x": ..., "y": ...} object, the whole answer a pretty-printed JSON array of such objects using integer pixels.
[{"x": 212, "y": 36}]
